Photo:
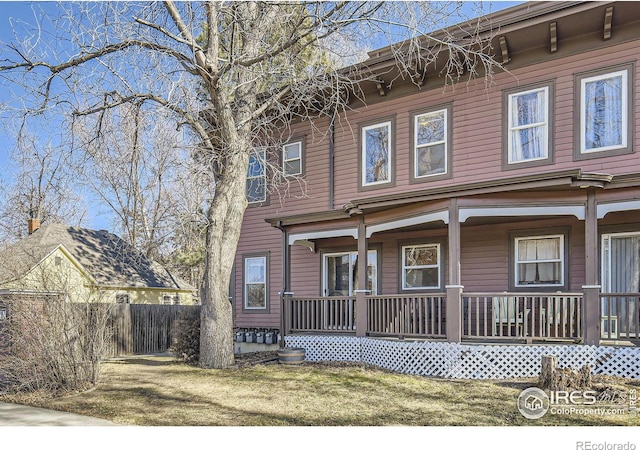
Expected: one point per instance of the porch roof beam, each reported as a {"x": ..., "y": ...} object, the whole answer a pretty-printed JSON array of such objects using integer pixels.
[
  {"x": 570, "y": 210},
  {"x": 606, "y": 208},
  {"x": 407, "y": 222},
  {"x": 303, "y": 238}
]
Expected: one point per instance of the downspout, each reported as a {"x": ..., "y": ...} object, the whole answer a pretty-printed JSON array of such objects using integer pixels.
[
  {"x": 331, "y": 160},
  {"x": 285, "y": 280}
]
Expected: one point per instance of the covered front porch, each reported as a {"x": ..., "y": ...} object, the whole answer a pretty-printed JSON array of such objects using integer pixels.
[{"x": 553, "y": 258}]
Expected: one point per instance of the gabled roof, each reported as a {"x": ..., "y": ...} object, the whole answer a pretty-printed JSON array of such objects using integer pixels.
[{"x": 106, "y": 258}]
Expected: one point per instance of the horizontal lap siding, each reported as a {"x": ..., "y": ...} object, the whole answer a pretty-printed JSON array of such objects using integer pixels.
[
  {"x": 305, "y": 272},
  {"x": 259, "y": 237},
  {"x": 477, "y": 127},
  {"x": 484, "y": 256}
]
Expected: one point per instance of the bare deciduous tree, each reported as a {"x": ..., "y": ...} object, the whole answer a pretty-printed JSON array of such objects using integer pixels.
[
  {"x": 39, "y": 186},
  {"x": 229, "y": 73}
]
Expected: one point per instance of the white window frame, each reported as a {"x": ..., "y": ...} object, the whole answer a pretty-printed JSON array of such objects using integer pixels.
[
  {"x": 511, "y": 128},
  {"x": 247, "y": 283},
  {"x": 417, "y": 146},
  {"x": 286, "y": 160},
  {"x": 427, "y": 266},
  {"x": 624, "y": 74},
  {"x": 517, "y": 261},
  {"x": 363, "y": 153},
  {"x": 260, "y": 154}
]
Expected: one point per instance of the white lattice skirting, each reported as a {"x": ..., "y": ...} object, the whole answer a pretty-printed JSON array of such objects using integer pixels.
[{"x": 448, "y": 360}]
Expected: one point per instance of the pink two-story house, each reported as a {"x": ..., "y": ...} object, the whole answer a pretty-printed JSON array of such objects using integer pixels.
[{"x": 473, "y": 211}]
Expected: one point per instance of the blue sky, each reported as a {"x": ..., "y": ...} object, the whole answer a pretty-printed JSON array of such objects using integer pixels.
[{"x": 21, "y": 15}]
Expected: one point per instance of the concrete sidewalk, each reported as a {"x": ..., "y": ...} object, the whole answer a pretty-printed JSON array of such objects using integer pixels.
[{"x": 19, "y": 415}]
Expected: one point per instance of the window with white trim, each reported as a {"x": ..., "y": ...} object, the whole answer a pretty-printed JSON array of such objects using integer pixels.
[
  {"x": 256, "y": 177},
  {"x": 376, "y": 154},
  {"x": 539, "y": 261},
  {"x": 421, "y": 266},
  {"x": 430, "y": 143},
  {"x": 255, "y": 282},
  {"x": 604, "y": 112},
  {"x": 528, "y": 125},
  {"x": 292, "y": 158}
]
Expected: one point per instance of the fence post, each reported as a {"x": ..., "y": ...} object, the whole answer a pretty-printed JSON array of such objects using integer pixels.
[{"x": 453, "y": 313}]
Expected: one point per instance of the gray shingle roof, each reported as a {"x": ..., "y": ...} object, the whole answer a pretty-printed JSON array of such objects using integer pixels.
[{"x": 106, "y": 257}]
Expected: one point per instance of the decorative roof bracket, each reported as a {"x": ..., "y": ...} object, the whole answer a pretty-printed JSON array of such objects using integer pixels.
[
  {"x": 504, "y": 50},
  {"x": 608, "y": 18}
]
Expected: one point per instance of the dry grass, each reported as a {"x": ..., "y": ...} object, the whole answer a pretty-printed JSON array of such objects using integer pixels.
[{"x": 159, "y": 391}]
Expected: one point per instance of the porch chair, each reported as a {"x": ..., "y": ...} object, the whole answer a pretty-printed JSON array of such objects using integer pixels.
[{"x": 504, "y": 309}]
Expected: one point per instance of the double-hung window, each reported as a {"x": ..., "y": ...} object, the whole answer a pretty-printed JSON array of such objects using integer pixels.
[
  {"x": 421, "y": 266},
  {"x": 604, "y": 112},
  {"x": 528, "y": 132},
  {"x": 256, "y": 177},
  {"x": 255, "y": 282},
  {"x": 431, "y": 141},
  {"x": 292, "y": 158},
  {"x": 539, "y": 261},
  {"x": 376, "y": 154}
]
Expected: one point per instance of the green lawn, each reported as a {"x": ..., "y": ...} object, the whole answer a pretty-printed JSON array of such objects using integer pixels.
[{"x": 154, "y": 390}]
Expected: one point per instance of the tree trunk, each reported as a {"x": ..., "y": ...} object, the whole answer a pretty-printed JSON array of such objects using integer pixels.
[
  {"x": 549, "y": 365},
  {"x": 222, "y": 236}
]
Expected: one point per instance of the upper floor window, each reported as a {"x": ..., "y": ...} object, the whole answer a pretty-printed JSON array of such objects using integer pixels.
[
  {"x": 292, "y": 158},
  {"x": 255, "y": 282},
  {"x": 376, "y": 154},
  {"x": 528, "y": 124},
  {"x": 431, "y": 141},
  {"x": 604, "y": 120},
  {"x": 256, "y": 177},
  {"x": 421, "y": 266},
  {"x": 603, "y": 112},
  {"x": 539, "y": 261}
]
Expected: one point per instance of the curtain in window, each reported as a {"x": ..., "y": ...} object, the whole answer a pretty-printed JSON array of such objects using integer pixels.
[
  {"x": 603, "y": 113},
  {"x": 528, "y": 126},
  {"x": 624, "y": 274},
  {"x": 539, "y": 261}
]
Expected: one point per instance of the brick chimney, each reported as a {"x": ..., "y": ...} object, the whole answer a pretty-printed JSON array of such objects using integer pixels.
[{"x": 33, "y": 225}]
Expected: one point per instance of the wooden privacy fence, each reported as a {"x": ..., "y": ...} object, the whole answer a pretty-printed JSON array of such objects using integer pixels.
[{"x": 143, "y": 329}]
